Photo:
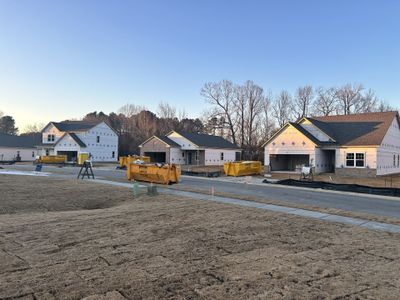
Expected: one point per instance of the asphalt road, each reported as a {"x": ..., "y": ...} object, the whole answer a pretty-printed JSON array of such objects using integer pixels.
[{"x": 326, "y": 199}]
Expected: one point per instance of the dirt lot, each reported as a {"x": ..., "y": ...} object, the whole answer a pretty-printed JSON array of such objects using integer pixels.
[{"x": 54, "y": 244}]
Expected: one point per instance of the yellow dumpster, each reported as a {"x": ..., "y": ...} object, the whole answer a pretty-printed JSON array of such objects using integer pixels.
[
  {"x": 125, "y": 160},
  {"x": 122, "y": 161},
  {"x": 165, "y": 174},
  {"x": 82, "y": 157},
  {"x": 53, "y": 159},
  {"x": 242, "y": 168}
]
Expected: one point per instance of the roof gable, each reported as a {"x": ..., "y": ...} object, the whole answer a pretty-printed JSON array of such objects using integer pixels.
[
  {"x": 163, "y": 139},
  {"x": 296, "y": 126},
  {"x": 74, "y": 137},
  {"x": 315, "y": 130}
]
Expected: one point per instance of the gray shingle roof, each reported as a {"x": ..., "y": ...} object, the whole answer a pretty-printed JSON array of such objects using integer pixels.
[
  {"x": 17, "y": 141},
  {"x": 310, "y": 136},
  {"x": 75, "y": 125},
  {"x": 168, "y": 141},
  {"x": 208, "y": 141}
]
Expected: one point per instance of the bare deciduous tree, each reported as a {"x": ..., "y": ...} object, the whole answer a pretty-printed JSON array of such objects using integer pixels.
[
  {"x": 384, "y": 106},
  {"x": 367, "y": 103},
  {"x": 302, "y": 101},
  {"x": 268, "y": 124},
  {"x": 33, "y": 128},
  {"x": 240, "y": 103},
  {"x": 349, "y": 97},
  {"x": 282, "y": 108},
  {"x": 182, "y": 114},
  {"x": 166, "y": 111},
  {"x": 220, "y": 96},
  {"x": 326, "y": 102},
  {"x": 255, "y": 100},
  {"x": 131, "y": 109},
  {"x": 167, "y": 115}
]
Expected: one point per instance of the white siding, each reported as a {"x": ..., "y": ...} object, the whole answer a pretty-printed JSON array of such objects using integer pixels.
[
  {"x": 176, "y": 156},
  {"x": 108, "y": 144},
  {"x": 369, "y": 155},
  {"x": 67, "y": 143},
  {"x": 213, "y": 156},
  {"x": 10, "y": 153},
  {"x": 389, "y": 149},
  {"x": 321, "y": 161}
]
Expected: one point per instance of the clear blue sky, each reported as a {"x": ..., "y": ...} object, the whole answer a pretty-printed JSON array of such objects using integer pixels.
[{"x": 61, "y": 59}]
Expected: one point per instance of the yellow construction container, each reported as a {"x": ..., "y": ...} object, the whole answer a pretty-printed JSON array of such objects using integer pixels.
[
  {"x": 166, "y": 174},
  {"x": 122, "y": 161},
  {"x": 82, "y": 157},
  {"x": 125, "y": 160},
  {"x": 242, "y": 168},
  {"x": 53, "y": 159}
]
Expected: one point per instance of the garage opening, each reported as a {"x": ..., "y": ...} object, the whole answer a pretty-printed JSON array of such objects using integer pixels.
[
  {"x": 156, "y": 157},
  {"x": 288, "y": 162},
  {"x": 72, "y": 156}
]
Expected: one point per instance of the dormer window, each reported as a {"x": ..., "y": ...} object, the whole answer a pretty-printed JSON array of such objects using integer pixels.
[{"x": 50, "y": 137}]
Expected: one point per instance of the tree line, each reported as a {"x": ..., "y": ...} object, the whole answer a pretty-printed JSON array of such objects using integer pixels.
[{"x": 245, "y": 114}]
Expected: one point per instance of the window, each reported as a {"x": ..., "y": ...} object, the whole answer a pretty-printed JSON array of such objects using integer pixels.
[
  {"x": 360, "y": 160},
  {"x": 222, "y": 155},
  {"x": 355, "y": 160},
  {"x": 398, "y": 160},
  {"x": 183, "y": 154},
  {"x": 98, "y": 139},
  {"x": 113, "y": 154},
  {"x": 394, "y": 160},
  {"x": 33, "y": 153},
  {"x": 47, "y": 152},
  {"x": 350, "y": 160},
  {"x": 50, "y": 137}
]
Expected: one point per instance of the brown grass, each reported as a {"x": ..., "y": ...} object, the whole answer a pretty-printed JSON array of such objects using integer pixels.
[{"x": 163, "y": 247}]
